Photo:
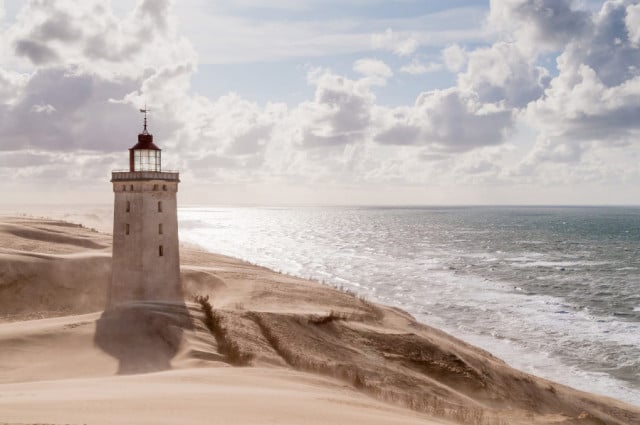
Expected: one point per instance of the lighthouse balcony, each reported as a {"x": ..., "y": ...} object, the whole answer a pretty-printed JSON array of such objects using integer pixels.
[{"x": 173, "y": 176}]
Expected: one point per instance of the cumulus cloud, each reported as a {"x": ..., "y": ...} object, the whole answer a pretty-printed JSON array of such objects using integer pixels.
[
  {"x": 502, "y": 73},
  {"x": 401, "y": 45},
  {"x": 340, "y": 128},
  {"x": 455, "y": 57},
  {"x": 83, "y": 119},
  {"x": 375, "y": 69},
  {"x": 89, "y": 34},
  {"x": 483, "y": 162},
  {"x": 229, "y": 127},
  {"x": 339, "y": 114},
  {"x": 11, "y": 84},
  {"x": 73, "y": 113},
  {"x": 450, "y": 120},
  {"x": 632, "y": 20},
  {"x": 417, "y": 68},
  {"x": 608, "y": 49},
  {"x": 589, "y": 103},
  {"x": 540, "y": 24},
  {"x": 546, "y": 151},
  {"x": 78, "y": 98},
  {"x": 594, "y": 96},
  {"x": 37, "y": 52},
  {"x": 458, "y": 121},
  {"x": 59, "y": 25}
]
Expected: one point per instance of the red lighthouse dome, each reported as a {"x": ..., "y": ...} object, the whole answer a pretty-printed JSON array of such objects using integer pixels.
[{"x": 145, "y": 155}]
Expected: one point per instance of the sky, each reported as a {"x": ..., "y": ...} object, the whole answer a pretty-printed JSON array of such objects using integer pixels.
[{"x": 330, "y": 102}]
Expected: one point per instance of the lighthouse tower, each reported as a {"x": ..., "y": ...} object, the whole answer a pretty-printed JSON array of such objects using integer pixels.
[{"x": 146, "y": 258}]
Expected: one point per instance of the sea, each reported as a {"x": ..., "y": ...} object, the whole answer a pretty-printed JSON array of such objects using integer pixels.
[{"x": 554, "y": 291}]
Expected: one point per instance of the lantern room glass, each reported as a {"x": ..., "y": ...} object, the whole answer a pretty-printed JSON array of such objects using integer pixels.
[{"x": 146, "y": 160}]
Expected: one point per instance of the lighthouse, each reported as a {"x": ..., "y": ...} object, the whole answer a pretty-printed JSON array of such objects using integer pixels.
[{"x": 146, "y": 258}]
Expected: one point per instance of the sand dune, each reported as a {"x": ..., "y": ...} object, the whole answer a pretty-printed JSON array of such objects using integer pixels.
[
  {"x": 199, "y": 396},
  {"x": 264, "y": 348}
]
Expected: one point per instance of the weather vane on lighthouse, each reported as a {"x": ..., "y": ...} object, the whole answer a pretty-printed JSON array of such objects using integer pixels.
[{"x": 144, "y": 111}]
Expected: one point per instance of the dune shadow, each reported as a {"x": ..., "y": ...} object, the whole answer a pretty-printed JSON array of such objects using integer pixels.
[{"x": 143, "y": 335}]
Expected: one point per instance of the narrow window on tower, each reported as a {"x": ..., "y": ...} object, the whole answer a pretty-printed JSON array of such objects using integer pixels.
[
  {"x": 164, "y": 187},
  {"x": 160, "y": 251},
  {"x": 159, "y": 206},
  {"x": 126, "y": 229},
  {"x": 128, "y": 206},
  {"x": 131, "y": 187},
  {"x": 160, "y": 228},
  {"x": 155, "y": 187}
]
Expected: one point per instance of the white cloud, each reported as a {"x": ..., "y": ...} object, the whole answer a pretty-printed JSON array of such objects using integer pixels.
[
  {"x": 417, "y": 68},
  {"x": 632, "y": 20},
  {"x": 11, "y": 84},
  {"x": 484, "y": 163},
  {"x": 450, "y": 120},
  {"x": 90, "y": 35},
  {"x": 74, "y": 114},
  {"x": 546, "y": 150},
  {"x": 229, "y": 138},
  {"x": 399, "y": 44},
  {"x": 43, "y": 108},
  {"x": 539, "y": 25},
  {"x": 594, "y": 96},
  {"x": 375, "y": 70},
  {"x": 502, "y": 73},
  {"x": 588, "y": 105},
  {"x": 83, "y": 119},
  {"x": 340, "y": 113},
  {"x": 93, "y": 70},
  {"x": 455, "y": 57},
  {"x": 562, "y": 162}
]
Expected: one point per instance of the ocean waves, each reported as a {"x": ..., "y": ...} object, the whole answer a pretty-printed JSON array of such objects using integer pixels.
[{"x": 546, "y": 289}]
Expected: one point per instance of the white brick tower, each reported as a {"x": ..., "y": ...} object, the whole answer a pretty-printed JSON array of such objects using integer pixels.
[{"x": 146, "y": 258}]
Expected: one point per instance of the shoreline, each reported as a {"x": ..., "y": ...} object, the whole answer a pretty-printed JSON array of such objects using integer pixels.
[
  {"x": 540, "y": 360},
  {"x": 257, "y": 304},
  {"x": 513, "y": 356},
  {"x": 95, "y": 217}
]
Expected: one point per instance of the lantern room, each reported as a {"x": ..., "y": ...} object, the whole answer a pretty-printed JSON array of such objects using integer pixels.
[{"x": 145, "y": 156}]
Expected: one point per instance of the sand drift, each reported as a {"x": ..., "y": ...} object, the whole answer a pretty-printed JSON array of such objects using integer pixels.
[{"x": 247, "y": 345}]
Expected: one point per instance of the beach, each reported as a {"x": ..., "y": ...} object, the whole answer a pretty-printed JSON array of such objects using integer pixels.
[
  {"x": 248, "y": 345},
  {"x": 553, "y": 291}
]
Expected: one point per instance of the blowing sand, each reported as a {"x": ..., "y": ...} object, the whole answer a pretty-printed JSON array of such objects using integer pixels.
[{"x": 265, "y": 348}]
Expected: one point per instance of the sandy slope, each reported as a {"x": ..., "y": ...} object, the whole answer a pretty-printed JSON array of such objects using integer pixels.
[
  {"x": 310, "y": 353},
  {"x": 199, "y": 396}
]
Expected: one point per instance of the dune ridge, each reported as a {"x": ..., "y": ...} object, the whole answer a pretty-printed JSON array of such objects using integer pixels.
[{"x": 357, "y": 357}]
